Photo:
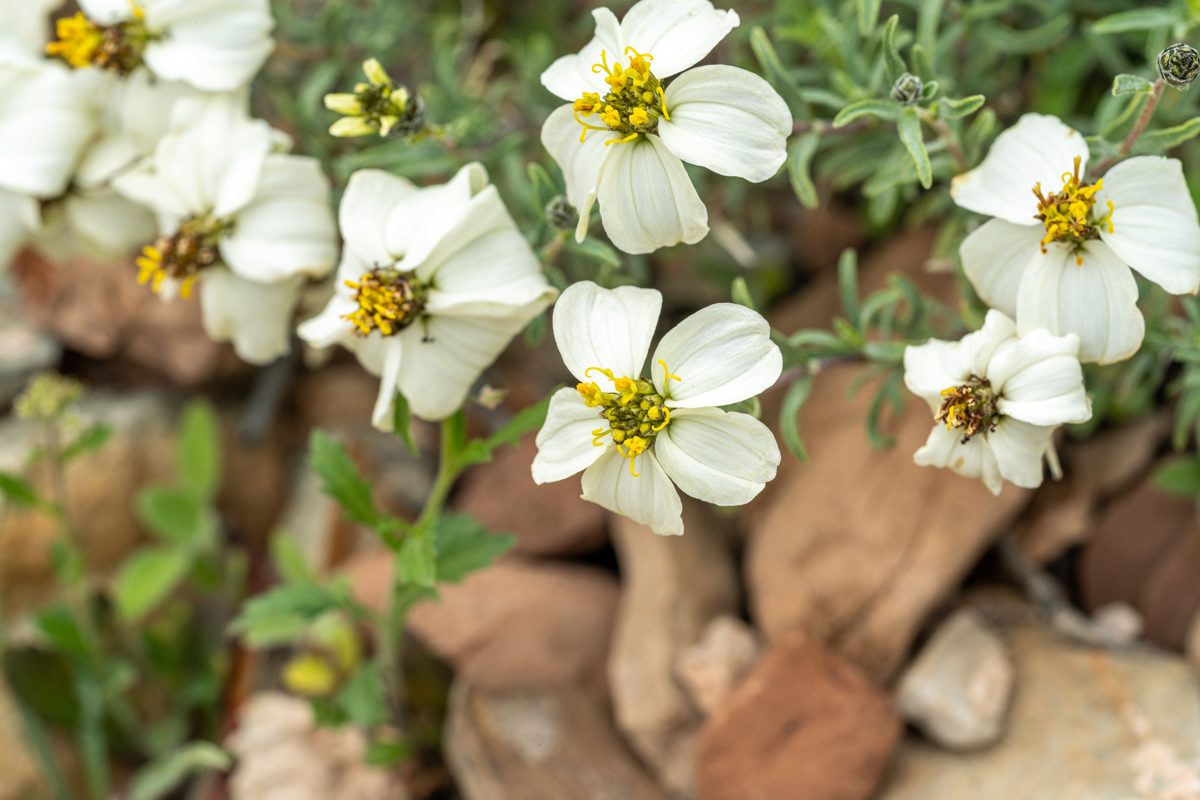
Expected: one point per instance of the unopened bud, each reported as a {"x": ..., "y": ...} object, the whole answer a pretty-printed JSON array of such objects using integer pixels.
[
  {"x": 561, "y": 214},
  {"x": 1179, "y": 65},
  {"x": 907, "y": 89}
]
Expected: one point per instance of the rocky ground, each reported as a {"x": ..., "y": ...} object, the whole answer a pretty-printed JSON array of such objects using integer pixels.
[{"x": 867, "y": 629}]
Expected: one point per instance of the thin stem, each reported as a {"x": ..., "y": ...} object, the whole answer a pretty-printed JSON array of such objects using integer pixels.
[
  {"x": 1139, "y": 127},
  {"x": 947, "y": 135}
]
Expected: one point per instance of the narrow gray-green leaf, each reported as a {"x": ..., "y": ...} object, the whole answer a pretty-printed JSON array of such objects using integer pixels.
[
  {"x": 789, "y": 416},
  {"x": 956, "y": 108},
  {"x": 800, "y": 154},
  {"x": 1125, "y": 84},
  {"x": 891, "y": 54},
  {"x": 870, "y": 107},
  {"x": 1138, "y": 19},
  {"x": 1161, "y": 141},
  {"x": 868, "y": 15},
  {"x": 162, "y": 777},
  {"x": 909, "y": 127}
]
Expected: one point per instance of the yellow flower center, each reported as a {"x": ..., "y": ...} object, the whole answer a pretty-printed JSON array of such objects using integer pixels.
[
  {"x": 1068, "y": 214},
  {"x": 182, "y": 256},
  {"x": 635, "y": 412},
  {"x": 970, "y": 407},
  {"x": 634, "y": 102},
  {"x": 388, "y": 301},
  {"x": 118, "y": 47}
]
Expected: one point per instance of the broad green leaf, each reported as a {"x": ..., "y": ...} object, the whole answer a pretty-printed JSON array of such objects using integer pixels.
[
  {"x": 956, "y": 108},
  {"x": 789, "y": 416},
  {"x": 868, "y": 15},
  {"x": 1179, "y": 476},
  {"x": 891, "y": 54},
  {"x": 1125, "y": 84},
  {"x": 147, "y": 578},
  {"x": 362, "y": 699},
  {"x": 909, "y": 127},
  {"x": 282, "y": 614},
  {"x": 164, "y": 776},
  {"x": 800, "y": 154},
  {"x": 402, "y": 422},
  {"x": 176, "y": 515},
  {"x": 464, "y": 546},
  {"x": 290, "y": 563},
  {"x": 1161, "y": 141},
  {"x": 342, "y": 480},
  {"x": 416, "y": 562},
  {"x": 18, "y": 491},
  {"x": 58, "y": 624},
  {"x": 1138, "y": 19},
  {"x": 91, "y": 439},
  {"x": 199, "y": 450},
  {"x": 882, "y": 109}
]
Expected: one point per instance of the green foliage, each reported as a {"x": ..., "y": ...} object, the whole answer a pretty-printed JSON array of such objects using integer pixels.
[
  {"x": 163, "y": 776},
  {"x": 464, "y": 546},
  {"x": 341, "y": 479}
]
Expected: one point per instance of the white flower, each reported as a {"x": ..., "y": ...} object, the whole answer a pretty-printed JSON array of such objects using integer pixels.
[
  {"x": 1058, "y": 254},
  {"x": 997, "y": 399},
  {"x": 624, "y": 139},
  {"x": 245, "y": 223},
  {"x": 433, "y": 285},
  {"x": 24, "y": 23},
  {"x": 214, "y": 45},
  {"x": 636, "y": 439}
]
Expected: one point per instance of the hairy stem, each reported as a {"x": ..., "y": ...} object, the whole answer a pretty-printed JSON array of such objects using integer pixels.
[
  {"x": 947, "y": 135},
  {"x": 1139, "y": 127}
]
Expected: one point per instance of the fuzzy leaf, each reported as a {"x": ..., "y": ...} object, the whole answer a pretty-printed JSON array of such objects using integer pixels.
[
  {"x": 909, "y": 127},
  {"x": 871, "y": 107},
  {"x": 956, "y": 108},
  {"x": 800, "y": 154},
  {"x": 789, "y": 416},
  {"x": 1138, "y": 19},
  {"x": 1125, "y": 84}
]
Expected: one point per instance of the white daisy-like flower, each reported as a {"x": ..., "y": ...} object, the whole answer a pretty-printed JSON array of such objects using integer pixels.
[
  {"x": 1059, "y": 253},
  {"x": 623, "y": 139},
  {"x": 996, "y": 399},
  {"x": 434, "y": 283},
  {"x": 637, "y": 438},
  {"x": 244, "y": 223},
  {"x": 25, "y": 23},
  {"x": 214, "y": 45}
]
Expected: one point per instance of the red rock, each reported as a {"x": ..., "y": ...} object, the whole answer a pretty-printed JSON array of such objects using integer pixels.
[{"x": 803, "y": 724}]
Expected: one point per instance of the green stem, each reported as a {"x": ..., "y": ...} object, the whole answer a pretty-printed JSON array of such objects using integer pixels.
[
  {"x": 947, "y": 135},
  {"x": 1139, "y": 127}
]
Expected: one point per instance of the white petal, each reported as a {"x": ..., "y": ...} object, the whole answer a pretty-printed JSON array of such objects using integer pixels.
[
  {"x": 1096, "y": 300},
  {"x": 46, "y": 120},
  {"x": 444, "y": 356},
  {"x": 720, "y": 458},
  {"x": 580, "y": 162},
  {"x": 421, "y": 219},
  {"x": 393, "y": 352},
  {"x": 994, "y": 257},
  {"x": 366, "y": 206},
  {"x": 937, "y": 365},
  {"x": 565, "y": 442},
  {"x": 1038, "y": 149},
  {"x": 484, "y": 264},
  {"x": 1018, "y": 449},
  {"x": 108, "y": 222},
  {"x": 728, "y": 120},
  {"x": 606, "y": 328},
  {"x": 722, "y": 354},
  {"x": 650, "y": 498},
  {"x": 214, "y": 45},
  {"x": 255, "y": 317},
  {"x": 106, "y": 12},
  {"x": 571, "y": 76},
  {"x": 1038, "y": 379},
  {"x": 330, "y": 326},
  {"x": 287, "y": 228},
  {"x": 970, "y": 459},
  {"x": 647, "y": 200},
  {"x": 1155, "y": 229},
  {"x": 678, "y": 33}
]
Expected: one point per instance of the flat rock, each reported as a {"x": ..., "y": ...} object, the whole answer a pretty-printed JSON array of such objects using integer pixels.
[
  {"x": 957, "y": 690},
  {"x": 548, "y": 520},
  {"x": 1085, "y": 725},
  {"x": 803, "y": 724},
  {"x": 517, "y": 623},
  {"x": 548, "y": 743},
  {"x": 713, "y": 666},
  {"x": 672, "y": 586},
  {"x": 860, "y": 545}
]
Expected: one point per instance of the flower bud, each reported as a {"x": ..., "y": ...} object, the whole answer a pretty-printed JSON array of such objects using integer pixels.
[
  {"x": 49, "y": 396},
  {"x": 1178, "y": 65},
  {"x": 907, "y": 89},
  {"x": 561, "y": 214}
]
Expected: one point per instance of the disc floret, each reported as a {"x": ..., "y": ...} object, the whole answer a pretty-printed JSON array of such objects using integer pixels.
[
  {"x": 1069, "y": 213},
  {"x": 181, "y": 256},
  {"x": 119, "y": 47},
  {"x": 634, "y": 413},
  {"x": 634, "y": 103},
  {"x": 970, "y": 407},
  {"x": 388, "y": 301}
]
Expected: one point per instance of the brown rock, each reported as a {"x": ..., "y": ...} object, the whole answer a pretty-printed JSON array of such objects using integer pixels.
[
  {"x": 1146, "y": 552},
  {"x": 108, "y": 315},
  {"x": 515, "y": 624},
  {"x": 672, "y": 587},
  {"x": 803, "y": 724},
  {"x": 547, "y": 520},
  {"x": 548, "y": 743},
  {"x": 714, "y": 665},
  {"x": 858, "y": 547}
]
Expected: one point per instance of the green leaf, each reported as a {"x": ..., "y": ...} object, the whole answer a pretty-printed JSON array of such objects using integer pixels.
[
  {"x": 882, "y": 109},
  {"x": 868, "y": 15},
  {"x": 739, "y": 292},
  {"x": 800, "y": 154},
  {"x": 593, "y": 249},
  {"x": 342, "y": 480},
  {"x": 402, "y": 422},
  {"x": 789, "y": 416},
  {"x": 891, "y": 54},
  {"x": 909, "y": 127},
  {"x": 62, "y": 630},
  {"x": 956, "y": 108},
  {"x": 1139, "y": 19},
  {"x": 764, "y": 51},
  {"x": 147, "y": 578},
  {"x": 525, "y": 421},
  {"x": 1179, "y": 476},
  {"x": 163, "y": 776},
  {"x": 848, "y": 283},
  {"x": 199, "y": 450},
  {"x": 362, "y": 698},
  {"x": 18, "y": 491},
  {"x": 1125, "y": 84},
  {"x": 91, "y": 439},
  {"x": 176, "y": 516},
  {"x": 416, "y": 562},
  {"x": 388, "y": 752},
  {"x": 464, "y": 546},
  {"x": 282, "y": 614},
  {"x": 290, "y": 563},
  {"x": 1165, "y": 139}
]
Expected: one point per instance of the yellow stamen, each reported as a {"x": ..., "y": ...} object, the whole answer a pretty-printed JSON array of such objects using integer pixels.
[{"x": 667, "y": 376}]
